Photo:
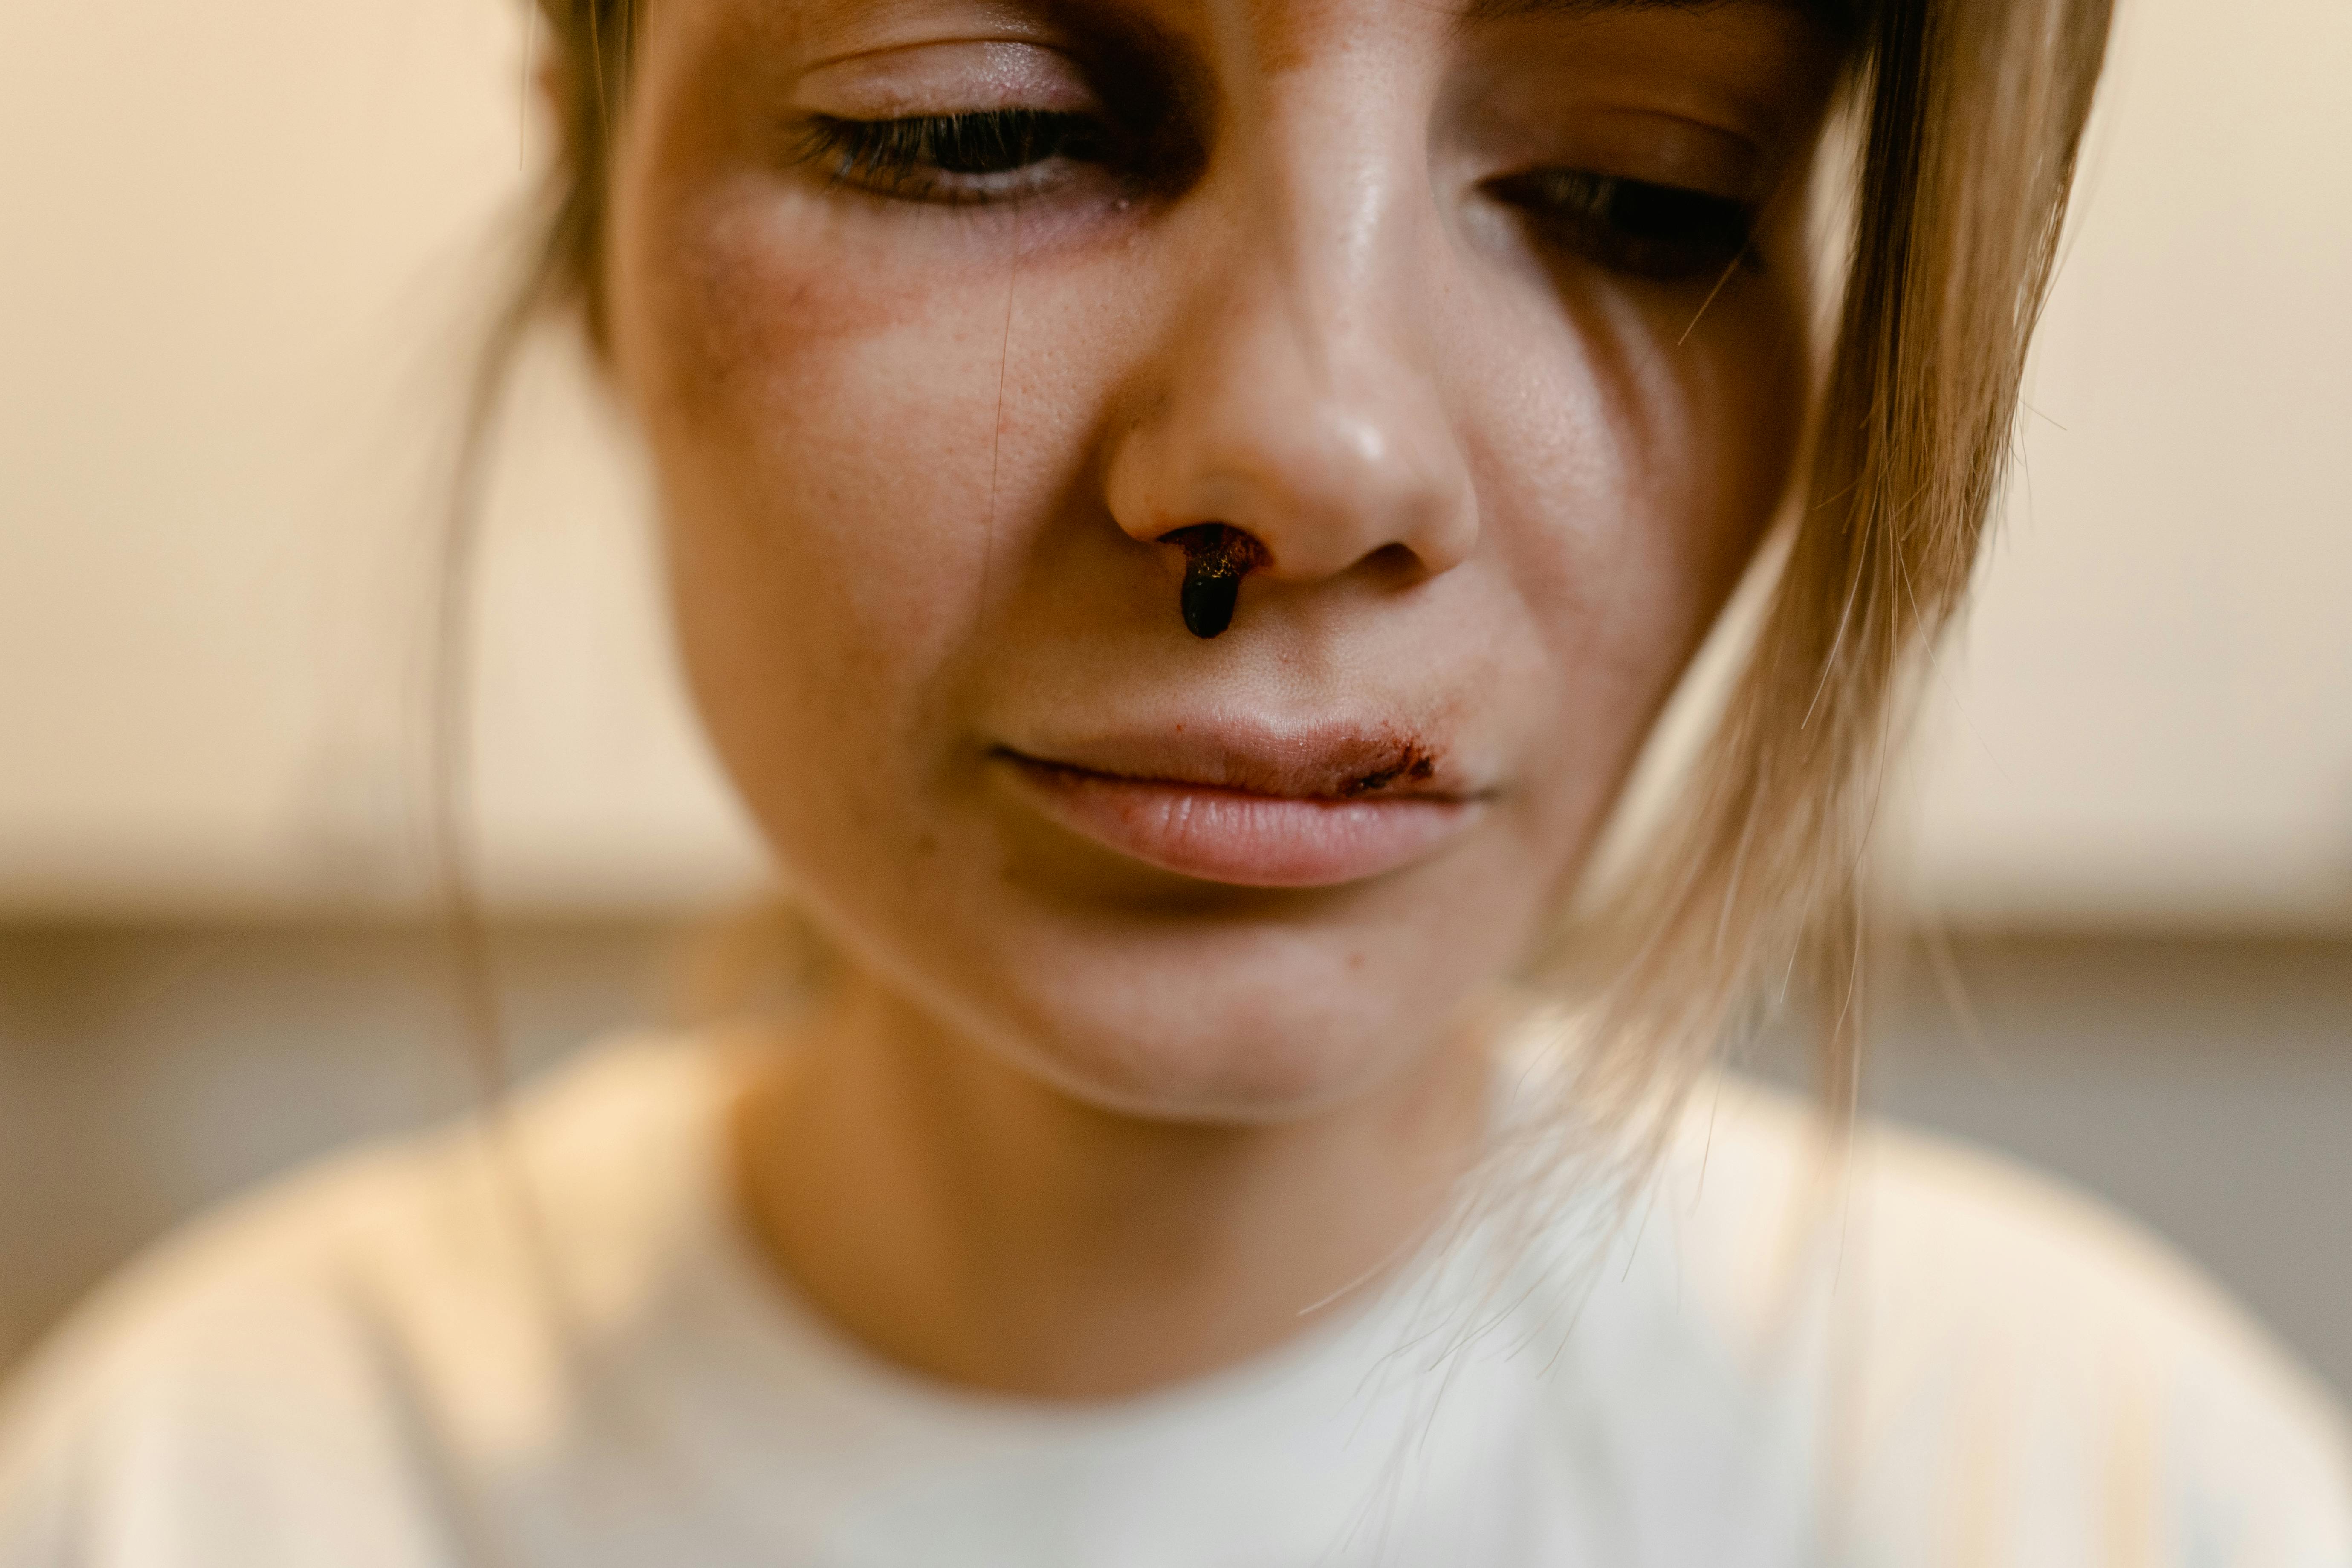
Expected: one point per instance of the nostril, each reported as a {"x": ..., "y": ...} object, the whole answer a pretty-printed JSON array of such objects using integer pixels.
[{"x": 1217, "y": 556}]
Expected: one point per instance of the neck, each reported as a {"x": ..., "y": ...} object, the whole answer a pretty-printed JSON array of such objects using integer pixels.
[{"x": 970, "y": 1222}]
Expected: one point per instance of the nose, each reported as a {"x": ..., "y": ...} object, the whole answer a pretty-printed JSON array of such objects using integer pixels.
[{"x": 1287, "y": 400}]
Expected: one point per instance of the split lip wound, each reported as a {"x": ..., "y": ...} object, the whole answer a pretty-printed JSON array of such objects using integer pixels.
[
  {"x": 1219, "y": 798},
  {"x": 1220, "y": 834},
  {"x": 1217, "y": 556},
  {"x": 1329, "y": 762},
  {"x": 1393, "y": 782}
]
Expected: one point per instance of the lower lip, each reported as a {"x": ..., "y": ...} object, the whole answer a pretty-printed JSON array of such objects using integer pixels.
[{"x": 1241, "y": 840}]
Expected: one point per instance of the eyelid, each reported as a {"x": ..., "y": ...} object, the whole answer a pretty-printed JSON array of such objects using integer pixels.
[
  {"x": 1653, "y": 125},
  {"x": 962, "y": 76},
  {"x": 927, "y": 159},
  {"x": 1648, "y": 147},
  {"x": 1696, "y": 156},
  {"x": 1670, "y": 234}
]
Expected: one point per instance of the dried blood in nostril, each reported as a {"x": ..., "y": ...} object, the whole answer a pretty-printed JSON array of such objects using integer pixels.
[{"x": 1216, "y": 558}]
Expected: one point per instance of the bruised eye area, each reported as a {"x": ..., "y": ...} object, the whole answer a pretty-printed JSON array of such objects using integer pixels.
[
  {"x": 1664, "y": 233},
  {"x": 960, "y": 159}
]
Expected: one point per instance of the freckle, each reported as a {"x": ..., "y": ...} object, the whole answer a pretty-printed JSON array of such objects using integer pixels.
[{"x": 1355, "y": 961}]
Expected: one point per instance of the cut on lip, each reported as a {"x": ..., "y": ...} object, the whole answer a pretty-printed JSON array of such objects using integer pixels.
[
  {"x": 1326, "y": 764},
  {"x": 1406, "y": 777},
  {"x": 1216, "y": 832}
]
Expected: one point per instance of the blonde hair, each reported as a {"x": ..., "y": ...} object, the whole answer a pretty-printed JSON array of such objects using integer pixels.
[{"x": 1968, "y": 115}]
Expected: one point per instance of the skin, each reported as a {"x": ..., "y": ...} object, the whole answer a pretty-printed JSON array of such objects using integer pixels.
[{"x": 1073, "y": 1125}]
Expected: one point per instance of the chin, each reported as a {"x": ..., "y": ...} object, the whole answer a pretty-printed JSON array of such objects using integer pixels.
[{"x": 1216, "y": 1026}]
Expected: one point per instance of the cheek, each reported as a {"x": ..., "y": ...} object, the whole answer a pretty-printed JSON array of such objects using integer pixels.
[
  {"x": 851, "y": 455},
  {"x": 1630, "y": 478},
  {"x": 789, "y": 396},
  {"x": 818, "y": 437},
  {"x": 824, "y": 435},
  {"x": 1644, "y": 454}
]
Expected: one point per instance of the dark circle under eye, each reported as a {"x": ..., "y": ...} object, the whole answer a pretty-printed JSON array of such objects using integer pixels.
[{"x": 1649, "y": 230}]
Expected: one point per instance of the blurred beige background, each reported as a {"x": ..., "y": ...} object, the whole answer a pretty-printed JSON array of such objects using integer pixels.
[{"x": 246, "y": 245}]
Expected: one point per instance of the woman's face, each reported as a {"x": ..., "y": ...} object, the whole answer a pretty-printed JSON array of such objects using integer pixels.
[{"x": 1486, "y": 329}]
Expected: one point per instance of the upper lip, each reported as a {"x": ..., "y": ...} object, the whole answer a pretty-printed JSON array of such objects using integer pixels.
[{"x": 1315, "y": 762}]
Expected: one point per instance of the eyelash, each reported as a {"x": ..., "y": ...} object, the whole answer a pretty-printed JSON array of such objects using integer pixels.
[
  {"x": 926, "y": 158},
  {"x": 1666, "y": 233}
]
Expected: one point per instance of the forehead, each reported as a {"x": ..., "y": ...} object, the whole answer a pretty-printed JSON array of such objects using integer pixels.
[
  {"x": 1836, "y": 15},
  {"x": 1799, "y": 38},
  {"x": 1779, "y": 49},
  {"x": 1283, "y": 31},
  {"x": 1280, "y": 32}
]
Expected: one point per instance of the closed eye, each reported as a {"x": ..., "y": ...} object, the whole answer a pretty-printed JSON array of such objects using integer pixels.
[
  {"x": 960, "y": 159},
  {"x": 1667, "y": 233}
]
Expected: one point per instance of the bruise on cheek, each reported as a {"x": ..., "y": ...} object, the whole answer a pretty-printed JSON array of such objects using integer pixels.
[{"x": 737, "y": 289}]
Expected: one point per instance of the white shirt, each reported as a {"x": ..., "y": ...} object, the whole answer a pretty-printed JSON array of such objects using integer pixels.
[{"x": 1950, "y": 1363}]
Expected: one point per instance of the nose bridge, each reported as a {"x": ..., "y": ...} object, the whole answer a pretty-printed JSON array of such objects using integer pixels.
[
  {"x": 1301, "y": 407},
  {"x": 1320, "y": 154},
  {"x": 1327, "y": 198}
]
